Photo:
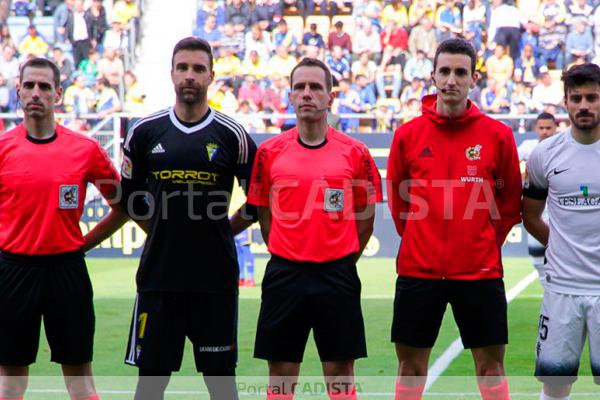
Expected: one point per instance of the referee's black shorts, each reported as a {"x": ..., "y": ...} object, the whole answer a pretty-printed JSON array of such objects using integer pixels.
[
  {"x": 300, "y": 296},
  {"x": 479, "y": 308},
  {"x": 56, "y": 288}
]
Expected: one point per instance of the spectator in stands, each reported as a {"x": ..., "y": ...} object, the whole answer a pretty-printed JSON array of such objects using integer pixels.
[
  {"x": 4, "y": 95},
  {"x": 339, "y": 66},
  {"x": 239, "y": 13},
  {"x": 367, "y": 39},
  {"x": 410, "y": 110},
  {"x": 520, "y": 125},
  {"x": 80, "y": 33},
  {"x": 266, "y": 13},
  {"x": 246, "y": 115},
  {"x": 546, "y": 92},
  {"x": 210, "y": 33},
  {"x": 383, "y": 118},
  {"x": 89, "y": 67},
  {"x": 255, "y": 66},
  {"x": 64, "y": 65},
  {"x": 95, "y": 17},
  {"x": 366, "y": 93},
  {"x": 79, "y": 98},
  {"x": 221, "y": 97},
  {"x": 500, "y": 66},
  {"x": 116, "y": 37},
  {"x": 338, "y": 37},
  {"x": 111, "y": 67},
  {"x": 420, "y": 9},
  {"x": 365, "y": 66},
  {"x": 372, "y": 12},
  {"x": 389, "y": 75},
  {"x": 394, "y": 42},
  {"x": 553, "y": 9},
  {"x": 63, "y": 15},
  {"x": 13, "y": 97},
  {"x": 474, "y": 22},
  {"x": 521, "y": 94},
  {"x": 416, "y": 90},
  {"x": 334, "y": 6},
  {"x": 125, "y": 12},
  {"x": 527, "y": 67},
  {"x": 24, "y": 8},
  {"x": 423, "y": 37},
  {"x": 5, "y": 37},
  {"x": 260, "y": 41},
  {"x": 210, "y": 7},
  {"x": 418, "y": 67},
  {"x": 312, "y": 38},
  {"x": 272, "y": 99},
  {"x": 9, "y": 65},
  {"x": 550, "y": 43},
  {"x": 234, "y": 39},
  {"x": 227, "y": 64},
  {"x": 282, "y": 62},
  {"x": 494, "y": 98},
  {"x": 505, "y": 26},
  {"x": 106, "y": 99},
  {"x": 395, "y": 11},
  {"x": 33, "y": 44},
  {"x": 282, "y": 36},
  {"x": 580, "y": 43},
  {"x": 134, "y": 96},
  {"x": 580, "y": 9},
  {"x": 347, "y": 102},
  {"x": 448, "y": 20},
  {"x": 251, "y": 91},
  {"x": 530, "y": 36}
]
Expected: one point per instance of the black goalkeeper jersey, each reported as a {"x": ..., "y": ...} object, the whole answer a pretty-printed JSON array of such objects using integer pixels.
[{"x": 180, "y": 179}]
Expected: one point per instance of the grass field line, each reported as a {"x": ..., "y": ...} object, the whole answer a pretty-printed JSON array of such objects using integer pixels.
[{"x": 443, "y": 362}]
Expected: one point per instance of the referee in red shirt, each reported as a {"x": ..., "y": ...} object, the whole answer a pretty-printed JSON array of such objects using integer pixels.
[
  {"x": 44, "y": 172},
  {"x": 316, "y": 189}
]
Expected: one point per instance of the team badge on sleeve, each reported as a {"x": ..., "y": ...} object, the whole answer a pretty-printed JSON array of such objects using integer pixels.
[
  {"x": 69, "y": 197},
  {"x": 334, "y": 200},
  {"x": 127, "y": 167}
]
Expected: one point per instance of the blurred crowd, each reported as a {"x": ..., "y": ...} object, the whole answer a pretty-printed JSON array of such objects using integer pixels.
[
  {"x": 381, "y": 51},
  {"x": 89, "y": 40}
]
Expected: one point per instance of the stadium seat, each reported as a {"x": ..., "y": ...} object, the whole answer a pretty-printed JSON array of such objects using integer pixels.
[
  {"x": 322, "y": 22},
  {"x": 45, "y": 26},
  {"x": 296, "y": 26},
  {"x": 17, "y": 26}
]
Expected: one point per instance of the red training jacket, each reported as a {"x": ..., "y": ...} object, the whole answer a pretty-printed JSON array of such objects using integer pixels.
[{"x": 454, "y": 190}]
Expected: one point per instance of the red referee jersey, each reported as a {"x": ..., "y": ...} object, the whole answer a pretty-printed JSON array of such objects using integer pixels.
[
  {"x": 312, "y": 193},
  {"x": 42, "y": 189}
]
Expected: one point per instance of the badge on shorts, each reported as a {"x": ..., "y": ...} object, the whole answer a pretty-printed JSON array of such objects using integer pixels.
[
  {"x": 69, "y": 197},
  {"x": 126, "y": 168},
  {"x": 334, "y": 200}
]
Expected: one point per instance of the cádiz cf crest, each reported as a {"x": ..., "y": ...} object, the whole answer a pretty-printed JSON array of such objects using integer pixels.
[{"x": 212, "y": 150}]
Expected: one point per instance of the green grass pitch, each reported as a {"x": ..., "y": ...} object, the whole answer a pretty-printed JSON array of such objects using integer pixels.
[{"x": 113, "y": 281}]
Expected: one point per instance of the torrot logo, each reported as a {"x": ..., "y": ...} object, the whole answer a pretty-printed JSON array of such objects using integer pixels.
[{"x": 584, "y": 190}]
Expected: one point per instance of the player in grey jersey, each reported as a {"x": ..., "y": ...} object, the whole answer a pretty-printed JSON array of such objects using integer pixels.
[{"x": 563, "y": 176}]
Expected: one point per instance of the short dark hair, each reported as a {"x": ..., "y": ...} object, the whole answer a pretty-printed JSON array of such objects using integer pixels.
[
  {"x": 580, "y": 75},
  {"x": 193, "y": 44},
  {"x": 456, "y": 46},
  {"x": 546, "y": 116},
  {"x": 39, "y": 62},
  {"x": 313, "y": 62}
]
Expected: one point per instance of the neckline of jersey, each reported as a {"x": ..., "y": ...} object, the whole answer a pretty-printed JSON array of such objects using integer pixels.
[
  {"x": 203, "y": 123},
  {"x": 41, "y": 141}
]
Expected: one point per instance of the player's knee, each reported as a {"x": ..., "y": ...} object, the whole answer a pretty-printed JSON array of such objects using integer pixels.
[
  {"x": 338, "y": 368},
  {"x": 490, "y": 369},
  {"x": 412, "y": 368}
]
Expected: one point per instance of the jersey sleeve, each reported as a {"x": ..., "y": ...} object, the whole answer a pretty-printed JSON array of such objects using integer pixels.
[
  {"x": 535, "y": 185},
  {"x": 260, "y": 183},
  {"x": 397, "y": 172},
  {"x": 508, "y": 183},
  {"x": 103, "y": 174},
  {"x": 243, "y": 171},
  {"x": 367, "y": 188},
  {"x": 134, "y": 175}
]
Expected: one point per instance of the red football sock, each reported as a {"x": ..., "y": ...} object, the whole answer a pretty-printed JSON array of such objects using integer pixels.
[
  {"x": 408, "y": 392},
  {"x": 11, "y": 398},
  {"x": 278, "y": 396},
  {"x": 498, "y": 392},
  {"x": 351, "y": 395},
  {"x": 90, "y": 397}
]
